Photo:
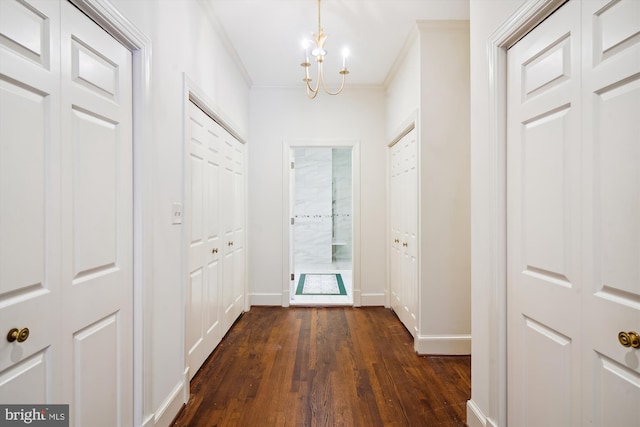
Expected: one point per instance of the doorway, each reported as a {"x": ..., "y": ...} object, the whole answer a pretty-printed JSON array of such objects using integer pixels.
[{"x": 321, "y": 226}]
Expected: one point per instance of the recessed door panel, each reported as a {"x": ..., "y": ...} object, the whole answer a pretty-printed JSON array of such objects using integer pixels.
[
  {"x": 24, "y": 143},
  {"x": 545, "y": 194},
  {"x": 617, "y": 151},
  {"x": 550, "y": 367},
  {"x": 96, "y": 358},
  {"x": 25, "y": 28},
  {"x": 27, "y": 380},
  {"x": 617, "y": 390},
  {"x": 96, "y": 144}
]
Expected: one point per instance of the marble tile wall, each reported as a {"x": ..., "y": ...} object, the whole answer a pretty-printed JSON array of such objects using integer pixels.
[
  {"x": 312, "y": 210},
  {"x": 342, "y": 211},
  {"x": 322, "y": 208}
]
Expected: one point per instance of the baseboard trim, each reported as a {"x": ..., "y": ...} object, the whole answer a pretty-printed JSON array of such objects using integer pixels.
[
  {"x": 367, "y": 300},
  {"x": 266, "y": 299},
  {"x": 443, "y": 344},
  {"x": 475, "y": 417},
  {"x": 171, "y": 406}
]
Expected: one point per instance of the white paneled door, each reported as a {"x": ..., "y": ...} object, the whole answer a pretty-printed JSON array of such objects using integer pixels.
[
  {"x": 404, "y": 230},
  {"x": 215, "y": 234},
  {"x": 205, "y": 250},
  {"x": 233, "y": 219},
  {"x": 573, "y": 213},
  {"x": 66, "y": 213}
]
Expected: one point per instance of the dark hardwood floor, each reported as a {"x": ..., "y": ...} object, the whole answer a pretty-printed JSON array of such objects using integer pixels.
[{"x": 325, "y": 367}]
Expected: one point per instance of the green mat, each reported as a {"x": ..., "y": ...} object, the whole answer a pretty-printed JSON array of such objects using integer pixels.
[{"x": 321, "y": 284}]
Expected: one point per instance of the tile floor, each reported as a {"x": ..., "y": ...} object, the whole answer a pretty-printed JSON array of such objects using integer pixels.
[{"x": 324, "y": 300}]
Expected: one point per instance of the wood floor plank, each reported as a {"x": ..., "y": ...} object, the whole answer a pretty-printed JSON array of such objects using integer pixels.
[{"x": 325, "y": 367}]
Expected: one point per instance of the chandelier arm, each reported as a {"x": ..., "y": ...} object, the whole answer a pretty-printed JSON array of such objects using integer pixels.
[
  {"x": 324, "y": 86},
  {"x": 319, "y": 78}
]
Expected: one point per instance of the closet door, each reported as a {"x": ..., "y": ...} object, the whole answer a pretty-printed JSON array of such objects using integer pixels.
[
  {"x": 404, "y": 230},
  {"x": 395, "y": 211},
  {"x": 30, "y": 232},
  {"x": 97, "y": 222},
  {"x": 203, "y": 230},
  {"x": 573, "y": 191},
  {"x": 233, "y": 227},
  {"x": 611, "y": 209},
  {"x": 66, "y": 213}
]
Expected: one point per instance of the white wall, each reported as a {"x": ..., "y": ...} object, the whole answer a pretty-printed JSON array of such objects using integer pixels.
[
  {"x": 403, "y": 88},
  {"x": 183, "y": 41},
  {"x": 286, "y": 115},
  {"x": 444, "y": 135},
  {"x": 431, "y": 86},
  {"x": 485, "y": 17}
]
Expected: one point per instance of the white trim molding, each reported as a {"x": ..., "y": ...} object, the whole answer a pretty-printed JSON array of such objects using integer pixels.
[
  {"x": 443, "y": 344},
  {"x": 517, "y": 26}
]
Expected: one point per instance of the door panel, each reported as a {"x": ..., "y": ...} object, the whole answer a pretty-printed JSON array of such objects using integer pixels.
[
  {"x": 96, "y": 356},
  {"x": 30, "y": 287},
  {"x": 203, "y": 311},
  {"x": 543, "y": 211},
  {"x": 26, "y": 380},
  {"x": 404, "y": 230},
  {"x": 611, "y": 92},
  {"x": 97, "y": 221}
]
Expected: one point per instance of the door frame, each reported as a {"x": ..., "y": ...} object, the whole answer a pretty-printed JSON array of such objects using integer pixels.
[
  {"x": 287, "y": 147},
  {"x": 523, "y": 20},
  {"x": 109, "y": 18}
]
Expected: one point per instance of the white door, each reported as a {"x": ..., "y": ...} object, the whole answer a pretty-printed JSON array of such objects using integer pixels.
[
  {"x": 404, "y": 230},
  {"x": 292, "y": 225},
  {"x": 30, "y": 235},
  {"x": 611, "y": 211},
  {"x": 233, "y": 228},
  {"x": 395, "y": 213},
  {"x": 573, "y": 209},
  {"x": 97, "y": 222},
  {"x": 66, "y": 212},
  {"x": 203, "y": 311}
]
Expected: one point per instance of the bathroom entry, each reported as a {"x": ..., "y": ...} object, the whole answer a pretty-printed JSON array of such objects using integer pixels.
[{"x": 321, "y": 226}]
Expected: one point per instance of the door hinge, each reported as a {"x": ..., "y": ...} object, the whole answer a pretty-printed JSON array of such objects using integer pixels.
[
  {"x": 293, "y": 221},
  {"x": 293, "y": 165},
  {"x": 293, "y": 277}
]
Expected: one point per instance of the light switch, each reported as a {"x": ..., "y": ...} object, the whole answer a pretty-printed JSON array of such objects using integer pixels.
[{"x": 176, "y": 213}]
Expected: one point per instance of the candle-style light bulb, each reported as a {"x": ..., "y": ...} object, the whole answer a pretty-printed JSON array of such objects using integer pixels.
[
  {"x": 305, "y": 46},
  {"x": 345, "y": 54}
]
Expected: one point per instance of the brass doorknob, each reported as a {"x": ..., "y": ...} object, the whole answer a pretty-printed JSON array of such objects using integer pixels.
[
  {"x": 19, "y": 335},
  {"x": 629, "y": 339},
  {"x": 405, "y": 244},
  {"x": 214, "y": 250}
]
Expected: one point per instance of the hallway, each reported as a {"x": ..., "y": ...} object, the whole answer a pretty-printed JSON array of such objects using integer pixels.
[{"x": 325, "y": 367}]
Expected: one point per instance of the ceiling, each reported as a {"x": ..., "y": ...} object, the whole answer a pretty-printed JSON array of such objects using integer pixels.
[{"x": 267, "y": 34}]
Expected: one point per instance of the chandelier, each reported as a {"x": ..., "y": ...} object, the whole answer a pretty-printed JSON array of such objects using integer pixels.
[{"x": 318, "y": 52}]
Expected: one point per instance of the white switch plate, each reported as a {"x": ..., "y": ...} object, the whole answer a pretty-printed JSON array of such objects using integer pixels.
[{"x": 176, "y": 213}]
